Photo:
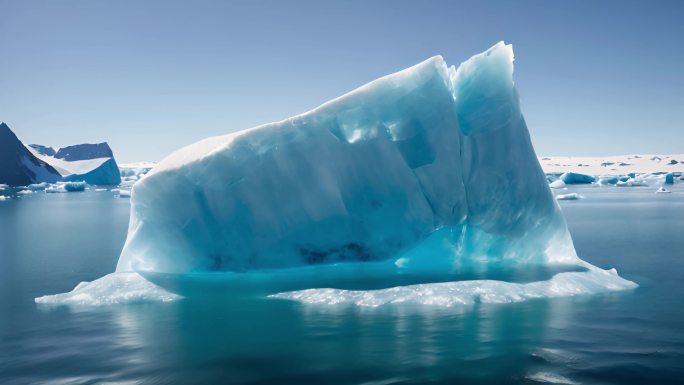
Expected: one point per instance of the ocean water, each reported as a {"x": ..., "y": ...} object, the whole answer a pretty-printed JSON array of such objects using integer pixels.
[{"x": 50, "y": 242}]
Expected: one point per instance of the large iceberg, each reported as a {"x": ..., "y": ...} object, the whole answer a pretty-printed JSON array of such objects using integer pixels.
[
  {"x": 92, "y": 163},
  {"x": 419, "y": 172}
]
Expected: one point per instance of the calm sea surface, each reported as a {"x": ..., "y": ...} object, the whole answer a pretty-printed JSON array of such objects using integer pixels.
[{"x": 50, "y": 242}]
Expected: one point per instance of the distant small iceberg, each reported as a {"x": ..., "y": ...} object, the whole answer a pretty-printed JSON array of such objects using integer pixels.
[{"x": 568, "y": 197}]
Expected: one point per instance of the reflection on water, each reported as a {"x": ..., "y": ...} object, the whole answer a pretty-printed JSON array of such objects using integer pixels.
[
  {"x": 622, "y": 337},
  {"x": 276, "y": 341}
]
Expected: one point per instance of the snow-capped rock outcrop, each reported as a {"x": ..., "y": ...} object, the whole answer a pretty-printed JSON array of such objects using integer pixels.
[{"x": 18, "y": 165}]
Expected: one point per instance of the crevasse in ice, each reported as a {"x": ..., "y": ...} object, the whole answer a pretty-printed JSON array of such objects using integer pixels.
[{"x": 419, "y": 170}]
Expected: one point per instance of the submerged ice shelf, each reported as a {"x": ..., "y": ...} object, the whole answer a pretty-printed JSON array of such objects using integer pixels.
[{"x": 424, "y": 171}]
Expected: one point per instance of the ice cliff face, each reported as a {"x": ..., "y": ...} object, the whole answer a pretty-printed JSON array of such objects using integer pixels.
[
  {"x": 18, "y": 166},
  {"x": 429, "y": 155}
]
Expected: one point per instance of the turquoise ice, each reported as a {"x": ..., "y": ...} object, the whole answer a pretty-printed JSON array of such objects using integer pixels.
[{"x": 416, "y": 172}]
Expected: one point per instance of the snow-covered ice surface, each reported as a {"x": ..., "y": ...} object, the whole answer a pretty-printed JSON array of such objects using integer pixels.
[
  {"x": 426, "y": 169},
  {"x": 137, "y": 165},
  {"x": 613, "y": 165}
]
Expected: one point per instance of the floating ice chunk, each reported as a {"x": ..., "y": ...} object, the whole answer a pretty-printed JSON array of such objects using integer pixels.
[
  {"x": 635, "y": 182},
  {"x": 672, "y": 162},
  {"x": 115, "y": 288},
  {"x": 100, "y": 189},
  {"x": 74, "y": 186},
  {"x": 557, "y": 184},
  {"x": 56, "y": 188},
  {"x": 451, "y": 294},
  {"x": 4, "y": 198},
  {"x": 669, "y": 178},
  {"x": 568, "y": 197},
  {"x": 656, "y": 158},
  {"x": 638, "y": 181},
  {"x": 25, "y": 192},
  {"x": 662, "y": 190},
  {"x": 38, "y": 186},
  {"x": 124, "y": 193},
  {"x": 577, "y": 178},
  {"x": 608, "y": 180},
  {"x": 132, "y": 172}
]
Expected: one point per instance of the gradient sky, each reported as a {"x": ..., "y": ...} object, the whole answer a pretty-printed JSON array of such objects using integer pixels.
[{"x": 595, "y": 77}]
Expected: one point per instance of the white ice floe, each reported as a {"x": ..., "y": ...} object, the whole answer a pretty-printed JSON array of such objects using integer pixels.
[
  {"x": 450, "y": 294},
  {"x": 557, "y": 184},
  {"x": 115, "y": 288},
  {"x": 612, "y": 165},
  {"x": 568, "y": 197}
]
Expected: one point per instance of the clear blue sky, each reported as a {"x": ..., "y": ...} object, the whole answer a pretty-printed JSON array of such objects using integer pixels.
[{"x": 595, "y": 77}]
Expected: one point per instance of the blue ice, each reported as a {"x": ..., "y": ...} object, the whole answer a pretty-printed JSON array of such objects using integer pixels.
[{"x": 416, "y": 172}]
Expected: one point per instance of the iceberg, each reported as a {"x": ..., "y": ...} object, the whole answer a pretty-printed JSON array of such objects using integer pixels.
[
  {"x": 576, "y": 178},
  {"x": 416, "y": 173},
  {"x": 74, "y": 186},
  {"x": 92, "y": 163},
  {"x": 133, "y": 172},
  {"x": 568, "y": 197},
  {"x": 557, "y": 184},
  {"x": 38, "y": 186},
  {"x": 608, "y": 180}
]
